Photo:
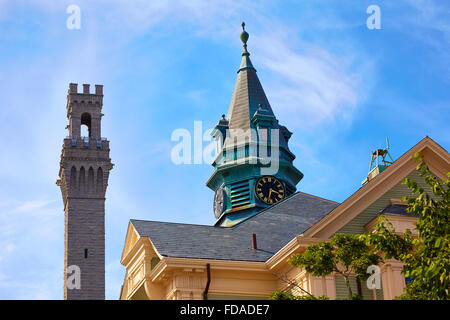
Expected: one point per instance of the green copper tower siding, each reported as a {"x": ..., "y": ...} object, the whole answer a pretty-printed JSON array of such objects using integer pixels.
[{"x": 239, "y": 182}]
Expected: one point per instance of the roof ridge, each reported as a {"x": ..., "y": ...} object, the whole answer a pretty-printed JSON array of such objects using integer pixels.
[
  {"x": 267, "y": 208},
  {"x": 437, "y": 144},
  {"x": 395, "y": 163},
  {"x": 322, "y": 198},
  {"x": 384, "y": 173},
  {"x": 179, "y": 223}
]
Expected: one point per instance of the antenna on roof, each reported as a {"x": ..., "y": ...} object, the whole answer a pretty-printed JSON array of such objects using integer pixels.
[{"x": 375, "y": 167}]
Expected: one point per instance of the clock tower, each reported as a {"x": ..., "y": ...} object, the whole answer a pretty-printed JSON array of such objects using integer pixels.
[{"x": 253, "y": 168}]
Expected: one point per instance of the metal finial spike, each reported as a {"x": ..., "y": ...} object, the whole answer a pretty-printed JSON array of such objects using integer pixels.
[
  {"x": 223, "y": 117},
  {"x": 244, "y": 37}
]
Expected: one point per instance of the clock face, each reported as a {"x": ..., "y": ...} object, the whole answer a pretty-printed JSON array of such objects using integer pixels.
[
  {"x": 219, "y": 202},
  {"x": 269, "y": 190}
]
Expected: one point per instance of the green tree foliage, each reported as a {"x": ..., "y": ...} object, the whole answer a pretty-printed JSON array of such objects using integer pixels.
[
  {"x": 427, "y": 257},
  {"x": 281, "y": 295},
  {"x": 344, "y": 254}
]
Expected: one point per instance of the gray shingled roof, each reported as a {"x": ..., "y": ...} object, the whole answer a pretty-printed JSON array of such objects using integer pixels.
[{"x": 274, "y": 228}]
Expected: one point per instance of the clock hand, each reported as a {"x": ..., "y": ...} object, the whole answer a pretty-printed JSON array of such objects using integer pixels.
[
  {"x": 270, "y": 191},
  {"x": 276, "y": 192}
]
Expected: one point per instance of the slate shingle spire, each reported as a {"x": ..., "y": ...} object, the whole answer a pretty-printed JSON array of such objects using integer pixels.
[{"x": 248, "y": 92}]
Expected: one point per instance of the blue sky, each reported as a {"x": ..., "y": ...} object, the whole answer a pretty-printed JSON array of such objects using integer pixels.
[{"x": 340, "y": 87}]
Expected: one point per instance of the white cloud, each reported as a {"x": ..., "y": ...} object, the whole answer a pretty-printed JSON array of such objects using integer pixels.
[
  {"x": 6, "y": 249},
  {"x": 426, "y": 23},
  {"x": 10, "y": 247},
  {"x": 31, "y": 205},
  {"x": 309, "y": 84},
  {"x": 31, "y": 231}
]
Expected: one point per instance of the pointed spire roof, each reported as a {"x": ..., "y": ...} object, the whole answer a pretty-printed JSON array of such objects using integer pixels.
[
  {"x": 248, "y": 92},
  {"x": 251, "y": 139}
]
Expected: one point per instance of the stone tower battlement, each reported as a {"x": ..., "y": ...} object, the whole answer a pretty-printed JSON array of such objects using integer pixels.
[
  {"x": 83, "y": 179},
  {"x": 84, "y": 108}
]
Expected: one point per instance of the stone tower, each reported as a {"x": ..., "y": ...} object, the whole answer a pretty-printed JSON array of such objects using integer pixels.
[{"x": 83, "y": 179}]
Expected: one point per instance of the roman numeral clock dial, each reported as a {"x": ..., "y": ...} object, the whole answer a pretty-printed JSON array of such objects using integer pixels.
[
  {"x": 269, "y": 190},
  {"x": 219, "y": 202}
]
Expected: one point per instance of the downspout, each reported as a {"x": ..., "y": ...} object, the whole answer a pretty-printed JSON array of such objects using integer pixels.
[
  {"x": 208, "y": 281},
  {"x": 358, "y": 285}
]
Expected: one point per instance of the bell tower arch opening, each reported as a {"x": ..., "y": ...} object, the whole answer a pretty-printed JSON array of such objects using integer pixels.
[{"x": 86, "y": 124}]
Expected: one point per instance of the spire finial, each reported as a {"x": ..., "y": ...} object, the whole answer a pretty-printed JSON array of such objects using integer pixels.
[{"x": 244, "y": 37}]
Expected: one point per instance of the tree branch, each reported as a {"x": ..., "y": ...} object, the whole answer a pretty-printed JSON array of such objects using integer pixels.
[{"x": 285, "y": 279}]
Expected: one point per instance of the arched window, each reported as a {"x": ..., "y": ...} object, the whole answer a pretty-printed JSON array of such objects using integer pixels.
[
  {"x": 99, "y": 180},
  {"x": 85, "y": 125},
  {"x": 91, "y": 186},
  {"x": 73, "y": 178},
  {"x": 82, "y": 183}
]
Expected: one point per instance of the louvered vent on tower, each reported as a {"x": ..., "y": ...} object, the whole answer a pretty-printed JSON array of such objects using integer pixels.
[{"x": 240, "y": 194}]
